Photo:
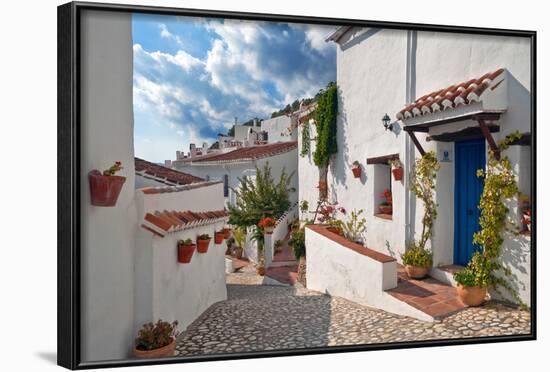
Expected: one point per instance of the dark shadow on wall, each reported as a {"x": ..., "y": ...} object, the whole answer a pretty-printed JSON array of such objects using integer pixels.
[{"x": 359, "y": 39}]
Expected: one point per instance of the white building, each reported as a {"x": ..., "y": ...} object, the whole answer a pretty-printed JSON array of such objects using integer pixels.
[
  {"x": 229, "y": 166},
  {"x": 281, "y": 128},
  {"x": 129, "y": 270},
  {"x": 442, "y": 89}
]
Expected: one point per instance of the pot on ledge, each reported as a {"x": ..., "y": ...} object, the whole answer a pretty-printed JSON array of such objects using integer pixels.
[{"x": 219, "y": 236}]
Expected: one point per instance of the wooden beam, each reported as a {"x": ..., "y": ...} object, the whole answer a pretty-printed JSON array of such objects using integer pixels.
[
  {"x": 416, "y": 128},
  {"x": 416, "y": 143},
  {"x": 489, "y": 137},
  {"x": 462, "y": 135},
  {"x": 382, "y": 159}
]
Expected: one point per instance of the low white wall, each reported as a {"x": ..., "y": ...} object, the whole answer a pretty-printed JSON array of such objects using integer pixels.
[
  {"x": 279, "y": 233},
  {"x": 340, "y": 271},
  {"x": 169, "y": 290},
  {"x": 250, "y": 249}
]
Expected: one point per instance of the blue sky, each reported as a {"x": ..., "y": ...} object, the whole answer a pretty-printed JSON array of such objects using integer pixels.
[{"x": 192, "y": 76}]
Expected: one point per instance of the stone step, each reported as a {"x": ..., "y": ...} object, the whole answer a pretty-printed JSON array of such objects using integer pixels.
[
  {"x": 431, "y": 296},
  {"x": 283, "y": 263}
]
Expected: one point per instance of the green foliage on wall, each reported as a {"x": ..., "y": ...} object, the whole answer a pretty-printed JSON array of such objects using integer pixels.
[
  {"x": 325, "y": 120},
  {"x": 422, "y": 183},
  {"x": 305, "y": 139},
  {"x": 499, "y": 188},
  {"x": 261, "y": 197}
]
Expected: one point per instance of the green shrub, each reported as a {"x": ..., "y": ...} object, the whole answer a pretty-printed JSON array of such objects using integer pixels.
[
  {"x": 298, "y": 243},
  {"x": 154, "y": 336},
  {"x": 417, "y": 256},
  {"x": 204, "y": 237}
]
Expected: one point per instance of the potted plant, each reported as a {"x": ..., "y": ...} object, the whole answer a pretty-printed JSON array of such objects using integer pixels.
[
  {"x": 258, "y": 236},
  {"x": 356, "y": 169},
  {"x": 203, "y": 241},
  {"x": 219, "y": 237},
  {"x": 327, "y": 215},
  {"x": 156, "y": 340},
  {"x": 417, "y": 261},
  {"x": 267, "y": 224},
  {"x": 386, "y": 207},
  {"x": 472, "y": 282},
  {"x": 226, "y": 232},
  {"x": 186, "y": 248},
  {"x": 229, "y": 244},
  {"x": 105, "y": 187},
  {"x": 298, "y": 243},
  {"x": 354, "y": 228},
  {"x": 396, "y": 169},
  {"x": 278, "y": 244},
  {"x": 239, "y": 234},
  {"x": 526, "y": 220}
]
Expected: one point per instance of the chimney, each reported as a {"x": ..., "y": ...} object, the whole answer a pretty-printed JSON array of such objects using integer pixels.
[
  {"x": 192, "y": 150},
  {"x": 235, "y": 120},
  {"x": 168, "y": 163}
]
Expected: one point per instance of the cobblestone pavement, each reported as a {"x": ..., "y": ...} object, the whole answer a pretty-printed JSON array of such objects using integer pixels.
[{"x": 266, "y": 317}]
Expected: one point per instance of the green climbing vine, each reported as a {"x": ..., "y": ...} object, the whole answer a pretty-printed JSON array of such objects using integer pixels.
[
  {"x": 305, "y": 139},
  {"x": 499, "y": 187},
  {"x": 325, "y": 120},
  {"x": 422, "y": 183}
]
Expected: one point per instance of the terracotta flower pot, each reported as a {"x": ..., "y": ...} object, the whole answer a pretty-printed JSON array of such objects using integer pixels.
[
  {"x": 269, "y": 229},
  {"x": 185, "y": 252},
  {"x": 161, "y": 352},
  {"x": 416, "y": 272},
  {"x": 471, "y": 296},
  {"x": 385, "y": 209},
  {"x": 226, "y": 233},
  {"x": 219, "y": 237},
  {"x": 238, "y": 253},
  {"x": 202, "y": 245},
  {"x": 397, "y": 173},
  {"x": 260, "y": 270},
  {"x": 356, "y": 172},
  {"x": 104, "y": 189}
]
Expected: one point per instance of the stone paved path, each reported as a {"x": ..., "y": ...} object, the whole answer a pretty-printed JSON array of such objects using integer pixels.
[{"x": 260, "y": 317}]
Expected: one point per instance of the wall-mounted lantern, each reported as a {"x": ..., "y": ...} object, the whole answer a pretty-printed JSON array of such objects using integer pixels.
[{"x": 386, "y": 121}]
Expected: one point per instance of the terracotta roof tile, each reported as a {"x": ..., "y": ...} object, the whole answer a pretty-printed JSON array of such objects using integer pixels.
[
  {"x": 169, "y": 189},
  {"x": 163, "y": 174},
  {"x": 160, "y": 223},
  {"x": 458, "y": 94},
  {"x": 247, "y": 153}
]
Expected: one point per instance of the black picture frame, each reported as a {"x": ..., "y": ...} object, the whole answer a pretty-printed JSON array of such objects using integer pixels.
[{"x": 68, "y": 72}]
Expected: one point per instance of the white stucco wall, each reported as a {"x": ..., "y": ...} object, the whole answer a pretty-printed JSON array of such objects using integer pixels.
[
  {"x": 379, "y": 71},
  {"x": 287, "y": 161},
  {"x": 108, "y": 233},
  {"x": 168, "y": 290},
  {"x": 340, "y": 271},
  {"x": 278, "y": 129}
]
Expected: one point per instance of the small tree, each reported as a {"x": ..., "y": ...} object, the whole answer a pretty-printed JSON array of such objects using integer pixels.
[
  {"x": 422, "y": 183},
  {"x": 260, "y": 198}
]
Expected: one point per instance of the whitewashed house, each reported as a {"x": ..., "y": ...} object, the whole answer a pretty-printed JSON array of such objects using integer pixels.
[
  {"x": 230, "y": 166},
  {"x": 129, "y": 270},
  {"x": 454, "y": 94}
]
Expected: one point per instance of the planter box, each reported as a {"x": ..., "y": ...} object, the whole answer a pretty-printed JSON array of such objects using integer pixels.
[
  {"x": 385, "y": 209},
  {"x": 105, "y": 190}
]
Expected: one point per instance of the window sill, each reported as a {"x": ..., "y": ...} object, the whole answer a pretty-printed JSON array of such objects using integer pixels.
[{"x": 383, "y": 216}]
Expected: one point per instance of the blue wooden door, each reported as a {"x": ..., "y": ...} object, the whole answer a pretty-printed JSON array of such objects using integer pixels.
[{"x": 469, "y": 157}]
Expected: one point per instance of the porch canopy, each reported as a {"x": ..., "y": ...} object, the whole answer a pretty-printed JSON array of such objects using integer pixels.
[{"x": 462, "y": 111}]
